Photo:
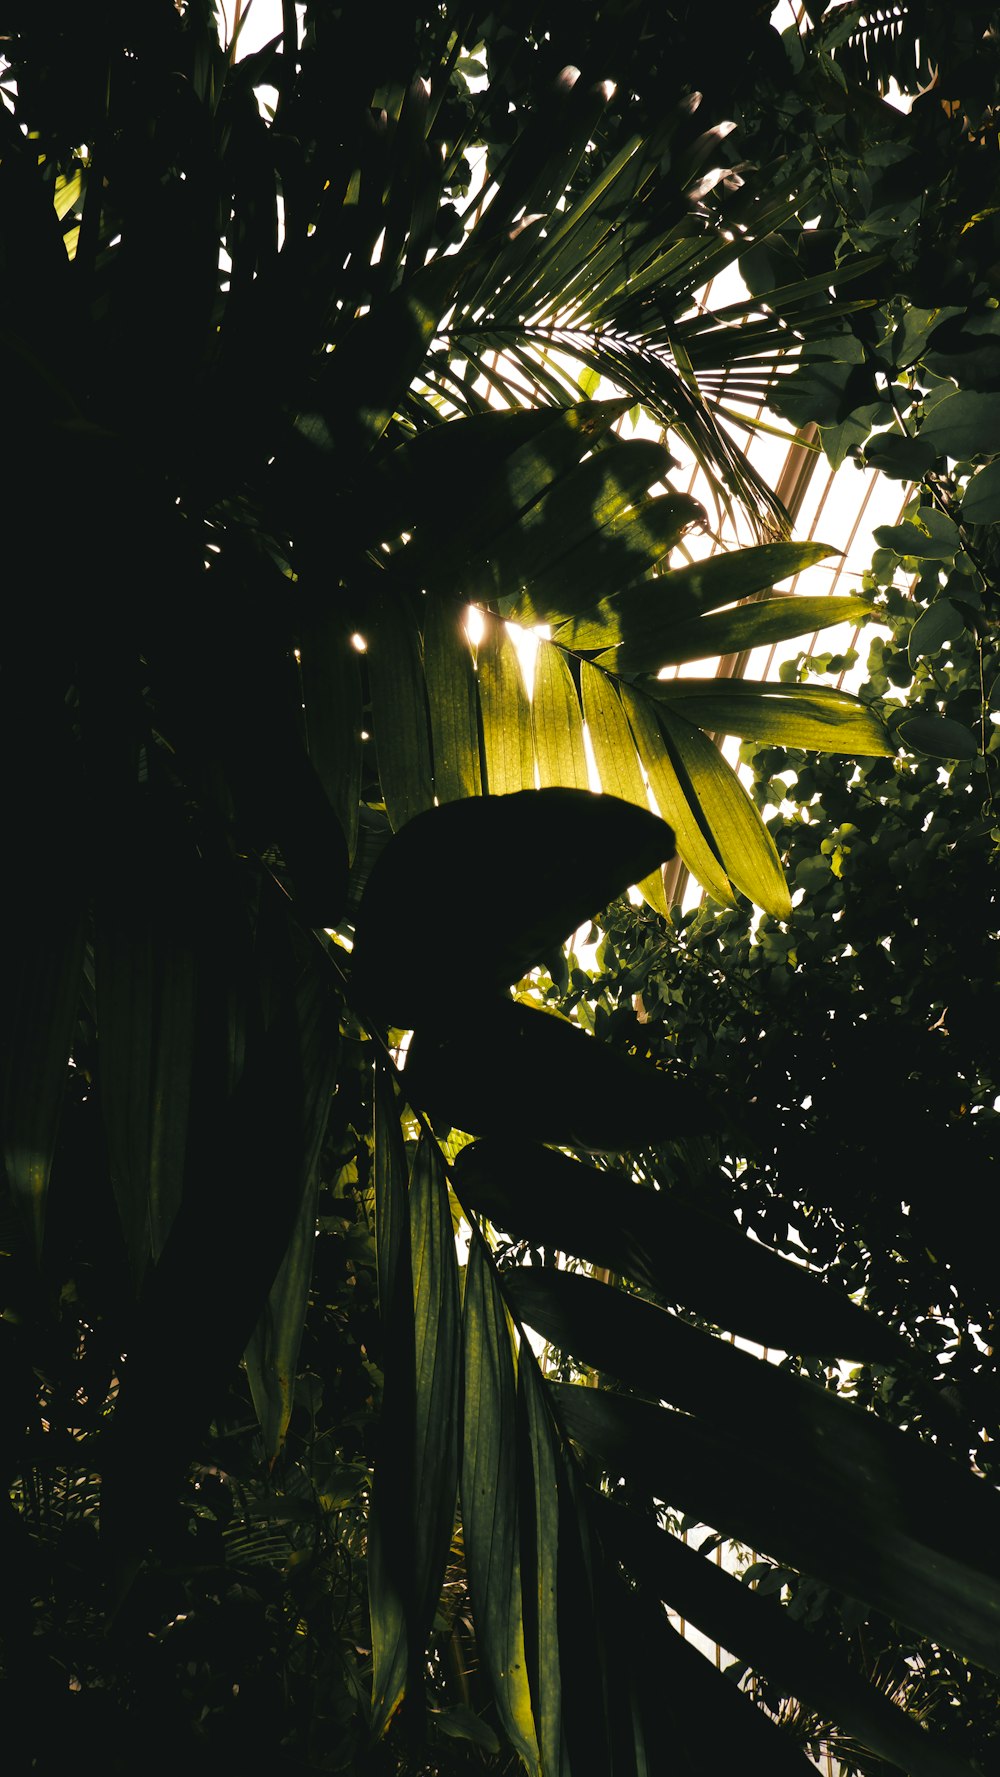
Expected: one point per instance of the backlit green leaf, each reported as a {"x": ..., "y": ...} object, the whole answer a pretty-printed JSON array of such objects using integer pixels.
[
  {"x": 634, "y": 622},
  {"x": 673, "y": 798},
  {"x": 745, "y": 846},
  {"x": 451, "y": 691},
  {"x": 505, "y": 711},
  {"x": 557, "y": 722},
  {"x": 614, "y": 752},
  {"x": 751, "y": 626},
  {"x": 786, "y": 715}
]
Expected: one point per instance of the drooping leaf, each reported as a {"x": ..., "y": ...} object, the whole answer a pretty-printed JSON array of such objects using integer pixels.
[
  {"x": 542, "y": 861},
  {"x": 505, "y": 711},
  {"x": 489, "y": 1489},
  {"x": 557, "y": 722},
  {"x": 673, "y": 798},
  {"x": 537, "y": 1075},
  {"x": 784, "y": 715},
  {"x": 148, "y": 959},
  {"x": 451, "y": 691},
  {"x": 461, "y": 512},
  {"x": 576, "y": 513},
  {"x": 538, "y": 1457},
  {"x": 745, "y": 846},
  {"x": 399, "y": 710},
  {"x": 666, "y": 1246},
  {"x": 466, "y": 479},
  {"x": 273, "y": 1352},
  {"x": 264, "y": 1081},
  {"x": 865, "y": 1509},
  {"x": 437, "y": 1362},
  {"x": 614, "y": 753},
  {"x": 416, "y": 1476}
]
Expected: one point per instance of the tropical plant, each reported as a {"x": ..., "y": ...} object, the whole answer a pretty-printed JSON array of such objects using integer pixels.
[
  {"x": 247, "y": 371},
  {"x": 855, "y": 1030}
]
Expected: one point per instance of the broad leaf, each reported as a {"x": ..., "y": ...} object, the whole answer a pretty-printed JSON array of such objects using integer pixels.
[
  {"x": 538, "y": 1458},
  {"x": 388, "y": 1529},
  {"x": 620, "y": 553},
  {"x": 981, "y": 500},
  {"x": 941, "y": 737},
  {"x": 40, "y": 999},
  {"x": 966, "y": 424},
  {"x": 941, "y": 622},
  {"x": 273, "y": 1352},
  {"x": 542, "y": 862},
  {"x": 559, "y": 1084}
]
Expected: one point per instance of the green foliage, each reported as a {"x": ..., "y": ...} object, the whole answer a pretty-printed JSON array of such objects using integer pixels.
[
  {"x": 852, "y": 1038},
  {"x": 248, "y": 346}
]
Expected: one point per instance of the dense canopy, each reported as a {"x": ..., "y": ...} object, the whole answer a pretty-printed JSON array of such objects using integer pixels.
[{"x": 308, "y": 1113}]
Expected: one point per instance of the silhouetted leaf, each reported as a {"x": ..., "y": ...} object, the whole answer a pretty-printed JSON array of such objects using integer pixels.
[
  {"x": 535, "y": 1074},
  {"x": 666, "y": 1246},
  {"x": 862, "y": 1507},
  {"x": 939, "y": 736},
  {"x": 530, "y": 867},
  {"x": 759, "y": 1631}
]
